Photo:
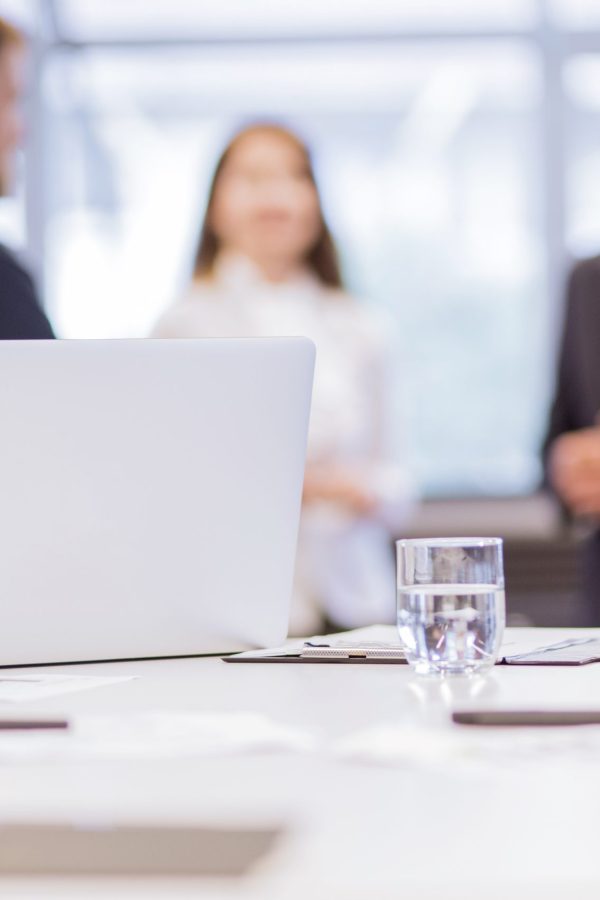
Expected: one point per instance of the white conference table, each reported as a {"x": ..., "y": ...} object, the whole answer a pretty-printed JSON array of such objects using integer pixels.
[{"x": 519, "y": 824}]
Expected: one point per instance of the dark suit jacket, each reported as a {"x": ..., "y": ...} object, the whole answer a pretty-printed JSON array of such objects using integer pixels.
[
  {"x": 577, "y": 394},
  {"x": 21, "y": 316}
]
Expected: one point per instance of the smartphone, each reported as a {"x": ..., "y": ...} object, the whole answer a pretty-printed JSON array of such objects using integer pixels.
[{"x": 502, "y": 717}]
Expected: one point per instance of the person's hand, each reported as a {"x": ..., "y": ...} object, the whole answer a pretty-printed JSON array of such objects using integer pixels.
[
  {"x": 574, "y": 470},
  {"x": 340, "y": 485}
]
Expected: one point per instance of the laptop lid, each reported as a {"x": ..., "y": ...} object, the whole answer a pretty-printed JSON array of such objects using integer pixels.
[{"x": 150, "y": 495}]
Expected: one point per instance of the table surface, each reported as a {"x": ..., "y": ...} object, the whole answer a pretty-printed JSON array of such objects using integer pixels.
[{"x": 450, "y": 827}]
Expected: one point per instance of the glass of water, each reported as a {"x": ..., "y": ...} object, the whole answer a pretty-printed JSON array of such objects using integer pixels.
[{"x": 451, "y": 603}]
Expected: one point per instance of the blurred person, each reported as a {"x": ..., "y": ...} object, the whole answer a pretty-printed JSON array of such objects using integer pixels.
[
  {"x": 266, "y": 265},
  {"x": 20, "y": 313},
  {"x": 572, "y": 446}
]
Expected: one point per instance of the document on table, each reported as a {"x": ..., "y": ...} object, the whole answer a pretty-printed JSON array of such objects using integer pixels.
[
  {"x": 156, "y": 734},
  {"x": 579, "y": 643},
  {"x": 36, "y": 686},
  {"x": 413, "y": 746},
  {"x": 374, "y": 637},
  {"x": 385, "y": 639}
]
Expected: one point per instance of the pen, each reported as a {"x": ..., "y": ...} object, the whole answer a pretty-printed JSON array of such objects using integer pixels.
[{"x": 32, "y": 724}]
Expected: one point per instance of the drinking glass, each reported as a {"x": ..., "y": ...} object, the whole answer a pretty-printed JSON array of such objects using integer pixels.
[{"x": 451, "y": 603}]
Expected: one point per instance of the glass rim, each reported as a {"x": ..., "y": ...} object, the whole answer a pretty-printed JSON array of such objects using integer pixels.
[{"x": 450, "y": 542}]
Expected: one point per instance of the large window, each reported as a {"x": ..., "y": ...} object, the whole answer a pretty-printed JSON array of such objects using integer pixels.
[
  {"x": 582, "y": 87},
  {"x": 576, "y": 13},
  {"x": 143, "y": 19},
  {"x": 455, "y": 148}
]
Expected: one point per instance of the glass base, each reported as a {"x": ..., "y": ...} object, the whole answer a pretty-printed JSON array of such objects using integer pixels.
[{"x": 450, "y": 670}]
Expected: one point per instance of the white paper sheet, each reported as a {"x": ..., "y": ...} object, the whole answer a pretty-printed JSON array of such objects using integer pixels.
[
  {"x": 515, "y": 643},
  {"x": 23, "y": 687},
  {"x": 383, "y": 634},
  {"x": 155, "y": 735},
  {"x": 380, "y": 634},
  {"x": 410, "y": 746}
]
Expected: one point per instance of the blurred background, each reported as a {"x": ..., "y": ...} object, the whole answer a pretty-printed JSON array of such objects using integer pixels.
[{"x": 457, "y": 147}]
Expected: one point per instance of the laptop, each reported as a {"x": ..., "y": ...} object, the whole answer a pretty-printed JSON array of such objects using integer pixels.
[{"x": 150, "y": 495}]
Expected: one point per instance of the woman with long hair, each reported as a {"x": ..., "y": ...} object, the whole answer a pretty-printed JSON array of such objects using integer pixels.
[{"x": 266, "y": 265}]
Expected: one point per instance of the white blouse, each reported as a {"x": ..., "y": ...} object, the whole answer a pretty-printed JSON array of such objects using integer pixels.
[{"x": 345, "y": 564}]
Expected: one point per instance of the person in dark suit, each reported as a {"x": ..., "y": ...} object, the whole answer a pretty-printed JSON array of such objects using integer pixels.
[
  {"x": 572, "y": 445},
  {"x": 21, "y": 316}
]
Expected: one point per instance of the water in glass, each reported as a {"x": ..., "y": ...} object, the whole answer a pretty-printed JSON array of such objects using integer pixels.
[{"x": 451, "y": 628}]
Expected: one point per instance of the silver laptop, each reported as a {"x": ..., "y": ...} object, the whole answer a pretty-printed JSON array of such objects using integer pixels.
[{"x": 149, "y": 495}]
